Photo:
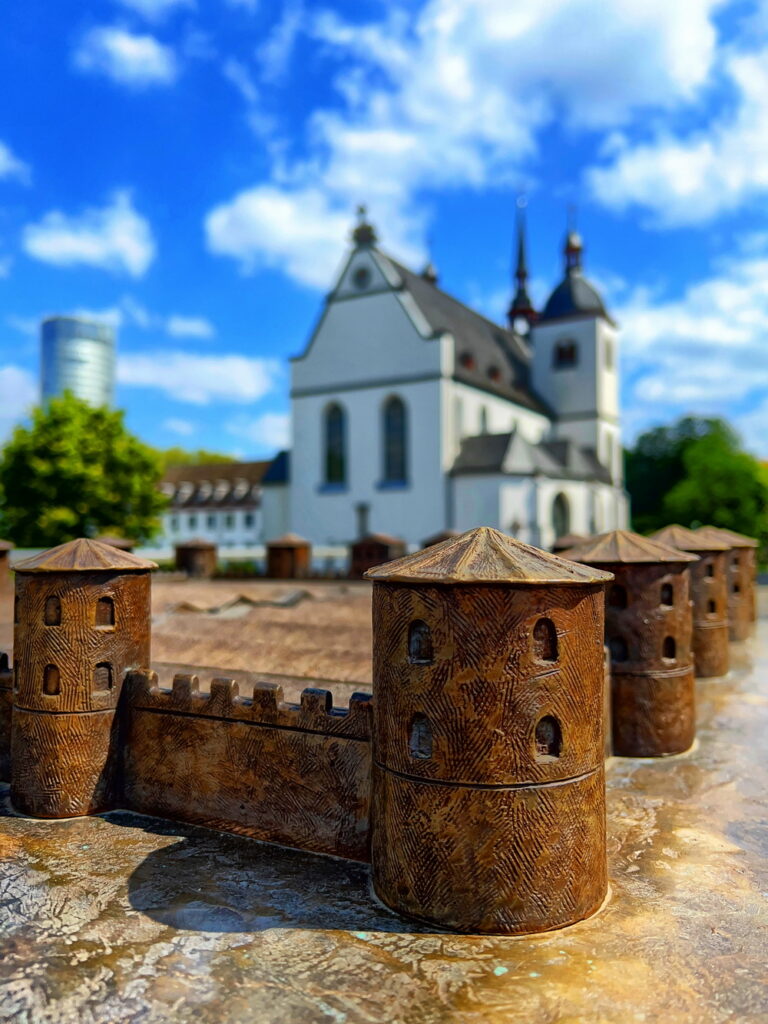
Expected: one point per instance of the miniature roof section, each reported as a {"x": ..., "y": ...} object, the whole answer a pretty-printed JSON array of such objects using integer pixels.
[
  {"x": 289, "y": 540},
  {"x": 6, "y": 545},
  {"x": 123, "y": 543},
  {"x": 379, "y": 538},
  {"x": 438, "y": 538},
  {"x": 729, "y": 537},
  {"x": 84, "y": 556},
  {"x": 625, "y": 546},
  {"x": 484, "y": 555},
  {"x": 687, "y": 540},
  {"x": 195, "y": 542},
  {"x": 569, "y": 540}
]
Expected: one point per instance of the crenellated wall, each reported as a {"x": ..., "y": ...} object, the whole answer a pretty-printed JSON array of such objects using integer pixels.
[{"x": 294, "y": 774}]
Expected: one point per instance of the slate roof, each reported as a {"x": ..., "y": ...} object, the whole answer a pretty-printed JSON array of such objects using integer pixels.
[
  {"x": 492, "y": 348},
  {"x": 626, "y": 547},
  {"x": 485, "y": 555},
  {"x": 573, "y": 297},
  {"x": 513, "y": 454},
  {"x": 217, "y": 485},
  {"x": 84, "y": 556},
  {"x": 688, "y": 540},
  {"x": 278, "y": 471}
]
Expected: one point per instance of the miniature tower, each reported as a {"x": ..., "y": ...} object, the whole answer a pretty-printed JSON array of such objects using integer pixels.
[
  {"x": 488, "y": 787},
  {"x": 648, "y": 629},
  {"x": 5, "y": 568},
  {"x": 709, "y": 590},
  {"x": 742, "y": 565},
  {"x": 288, "y": 557},
  {"x": 82, "y": 620}
]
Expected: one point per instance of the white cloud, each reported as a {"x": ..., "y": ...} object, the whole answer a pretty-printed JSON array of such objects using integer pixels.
[
  {"x": 270, "y": 430},
  {"x": 125, "y": 57},
  {"x": 20, "y": 392},
  {"x": 455, "y": 97},
  {"x": 184, "y": 428},
  {"x": 113, "y": 237},
  {"x": 11, "y": 166},
  {"x": 237, "y": 73},
  {"x": 689, "y": 180},
  {"x": 275, "y": 53},
  {"x": 198, "y": 379},
  {"x": 156, "y": 9},
  {"x": 189, "y": 327},
  {"x": 6, "y": 262}
]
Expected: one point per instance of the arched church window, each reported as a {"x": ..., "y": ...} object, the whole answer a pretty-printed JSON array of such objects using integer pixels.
[
  {"x": 565, "y": 355},
  {"x": 561, "y": 515},
  {"x": 395, "y": 440},
  {"x": 335, "y": 445},
  {"x": 420, "y": 739},
  {"x": 420, "y": 650},
  {"x": 545, "y": 640}
]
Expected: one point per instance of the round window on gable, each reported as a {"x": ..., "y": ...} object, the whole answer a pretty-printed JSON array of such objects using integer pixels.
[{"x": 361, "y": 278}]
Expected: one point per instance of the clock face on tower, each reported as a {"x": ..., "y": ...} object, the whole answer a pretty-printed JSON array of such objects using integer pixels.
[{"x": 361, "y": 278}]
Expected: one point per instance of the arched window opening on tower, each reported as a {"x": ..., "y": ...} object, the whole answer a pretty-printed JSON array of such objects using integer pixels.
[
  {"x": 711, "y": 608},
  {"x": 617, "y": 645},
  {"x": 395, "y": 441},
  {"x": 736, "y": 588},
  {"x": 105, "y": 612},
  {"x": 669, "y": 648},
  {"x": 545, "y": 640},
  {"x": 549, "y": 738},
  {"x": 52, "y": 614},
  {"x": 102, "y": 676},
  {"x": 335, "y": 441},
  {"x": 617, "y": 596},
  {"x": 667, "y": 594},
  {"x": 51, "y": 681},
  {"x": 710, "y": 569},
  {"x": 420, "y": 650},
  {"x": 735, "y": 561},
  {"x": 420, "y": 742},
  {"x": 565, "y": 355},
  {"x": 561, "y": 516}
]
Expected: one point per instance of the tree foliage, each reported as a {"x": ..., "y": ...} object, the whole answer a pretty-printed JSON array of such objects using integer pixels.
[
  {"x": 695, "y": 472},
  {"x": 76, "y": 471},
  {"x": 200, "y": 457}
]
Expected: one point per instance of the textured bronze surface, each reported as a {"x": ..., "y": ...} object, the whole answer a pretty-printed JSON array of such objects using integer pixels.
[
  {"x": 77, "y": 632},
  {"x": 438, "y": 538},
  {"x": 288, "y": 557},
  {"x": 6, "y": 579},
  {"x": 6, "y": 712},
  {"x": 624, "y": 546},
  {"x": 742, "y": 569},
  {"x": 371, "y": 550},
  {"x": 709, "y": 591},
  {"x": 298, "y": 775},
  {"x": 568, "y": 540},
  {"x": 488, "y": 798},
  {"x": 197, "y": 558}
]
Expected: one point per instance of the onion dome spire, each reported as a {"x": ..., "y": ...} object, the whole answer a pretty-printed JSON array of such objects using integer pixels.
[
  {"x": 364, "y": 233},
  {"x": 521, "y": 307}
]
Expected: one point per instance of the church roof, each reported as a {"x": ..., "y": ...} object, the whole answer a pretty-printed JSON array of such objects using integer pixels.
[
  {"x": 626, "y": 547},
  {"x": 513, "y": 454},
  {"x": 688, "y": 540},
  {"x": 574, "y": 296},
  {"x": 278, "y": 471},
  {"x": 729, "y": 537},
  {"x": 84, "y": 556},
  {"x": 485, "y": 555},
  {"x": 488, "y": 356}
]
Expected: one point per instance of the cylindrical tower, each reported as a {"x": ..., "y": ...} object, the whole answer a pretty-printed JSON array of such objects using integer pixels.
[
  {"x": 648, "y": 629},
  {"x": 78, "y": 356},
  {"x": 488, "y": 787},
  {"x": 742, "y": 570},
  {"x": 289, "y": 557},
  {"x": 5, "y": 569},
  {"x": 197, "y": 558},
  {"x": 82, "y": 620},
  {"x": 709, "y": 590}
]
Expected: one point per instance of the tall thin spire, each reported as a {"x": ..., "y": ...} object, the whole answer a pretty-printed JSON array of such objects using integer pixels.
[{"x": 521, "y": 307}]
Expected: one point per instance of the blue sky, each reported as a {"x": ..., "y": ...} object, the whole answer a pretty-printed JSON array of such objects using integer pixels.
[{"x": 190, "y": 168}]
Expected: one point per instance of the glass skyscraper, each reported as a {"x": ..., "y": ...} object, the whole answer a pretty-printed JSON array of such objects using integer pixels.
[{"x": 78, "y": 356}]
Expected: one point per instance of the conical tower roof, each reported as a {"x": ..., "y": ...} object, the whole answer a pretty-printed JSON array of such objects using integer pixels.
[
  {"x": 485, "y": 555},
  {"x": 84, "y": 556},
  {"x": 625, "y": 546},
  {"x": 288, "y": 540},
  {"x": 729, "y": 537},
  {"x": 687, "y": 540}
]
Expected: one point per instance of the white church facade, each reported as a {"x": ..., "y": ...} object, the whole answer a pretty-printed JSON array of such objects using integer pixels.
[{"x": 411, "y": 413}]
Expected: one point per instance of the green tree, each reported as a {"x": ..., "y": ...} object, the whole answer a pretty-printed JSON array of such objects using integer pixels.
[
  {"x": 182, "y": 457},
  {"x": 76, "y": 472}
]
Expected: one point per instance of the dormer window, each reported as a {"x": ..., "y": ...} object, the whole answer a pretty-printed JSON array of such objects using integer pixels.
[
  {"x": 565, "y": 355},
  {"x": 494, "y": 373},
  {"x": 467, "y": 360},
  {"x": 205, "y": 490},
  {"x": 221, "y": 490},
  {"x": 185, "y": 491},
  {"x": 241, "y": 488}
]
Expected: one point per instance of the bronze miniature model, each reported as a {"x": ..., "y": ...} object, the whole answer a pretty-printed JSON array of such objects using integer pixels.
[
  {"x": 648, "y": 629},
  {"x": 197, "y": 558},
  {"x": 709, "y": 590},
  {"x": 371, "y": 550},
  {"x": 742, "y": 567},
  {"x": 438, "y": 538},
  {"x": 288, "y": 557},
  {"x": 82, "y": 620},
  {"x": 5, "y": 566},
  {"x": 568, "y": 540},
  {"x": 6, "y": 712},
  {"x": 121, "y": 543},
  {"x": 489, "y": 798}
]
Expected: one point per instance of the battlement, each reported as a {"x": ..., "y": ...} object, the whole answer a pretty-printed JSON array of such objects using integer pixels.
[{"x": 265, "y": 707}]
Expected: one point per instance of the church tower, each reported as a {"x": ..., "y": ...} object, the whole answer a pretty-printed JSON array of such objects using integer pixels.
[{"x": 575, "y": 363}]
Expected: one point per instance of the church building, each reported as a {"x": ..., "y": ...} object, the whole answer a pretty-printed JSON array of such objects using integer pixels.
[{"x": 412, "y": 413}]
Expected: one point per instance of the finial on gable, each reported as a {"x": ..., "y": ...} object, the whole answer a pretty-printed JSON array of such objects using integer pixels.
[{"x": 364, "y": 233}]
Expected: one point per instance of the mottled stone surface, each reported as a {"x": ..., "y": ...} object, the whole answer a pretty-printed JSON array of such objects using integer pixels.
[{"x": 125, "y": 918}]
